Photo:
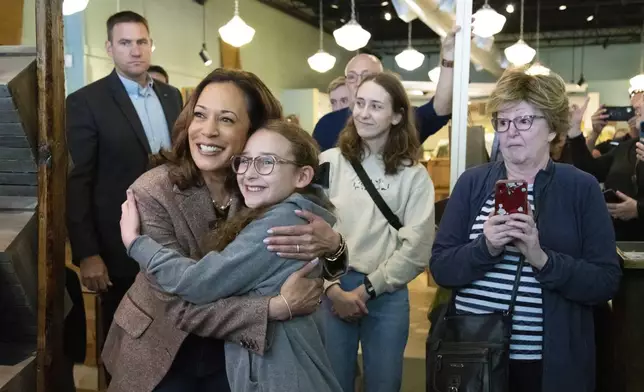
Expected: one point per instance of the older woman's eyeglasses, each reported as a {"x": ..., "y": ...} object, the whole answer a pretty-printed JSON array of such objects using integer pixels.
[
  {"x": 264, "y": 164},
  {"x": 522, "y": 123}
]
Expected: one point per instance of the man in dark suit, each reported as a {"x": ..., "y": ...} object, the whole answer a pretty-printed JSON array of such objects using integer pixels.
[{"x": 113, "y": 125}]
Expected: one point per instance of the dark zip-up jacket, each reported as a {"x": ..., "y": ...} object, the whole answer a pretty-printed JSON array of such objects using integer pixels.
[{"x": 576, "y": 233}]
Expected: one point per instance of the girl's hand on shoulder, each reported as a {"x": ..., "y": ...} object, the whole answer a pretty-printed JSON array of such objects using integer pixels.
[{"x": 130, "y": 221}]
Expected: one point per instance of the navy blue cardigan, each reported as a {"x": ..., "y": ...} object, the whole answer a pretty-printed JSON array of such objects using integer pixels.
[{"x": 575, "y": 231}]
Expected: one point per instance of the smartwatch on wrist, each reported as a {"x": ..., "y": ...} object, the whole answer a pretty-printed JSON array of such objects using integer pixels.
[{"x": 369, "y": 287}]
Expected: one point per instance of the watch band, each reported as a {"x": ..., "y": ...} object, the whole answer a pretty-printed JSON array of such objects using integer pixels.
[
  {"x": 369, "y": 287},
  {"x": 339, "y": 252},
  {"x": 447, "y": 63}
]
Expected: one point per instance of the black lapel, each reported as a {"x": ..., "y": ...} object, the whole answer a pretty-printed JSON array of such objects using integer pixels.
[
  {"x": 166, "y": 104},
  {"x": 125, "y": 104}
]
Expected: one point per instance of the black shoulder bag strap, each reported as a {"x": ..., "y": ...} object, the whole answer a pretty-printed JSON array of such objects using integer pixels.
[
  {"x": 515, "y": 287},
  {"x": 375, "y": 195}
]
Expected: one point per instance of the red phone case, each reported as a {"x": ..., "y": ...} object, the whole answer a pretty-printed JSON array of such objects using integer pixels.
[{"x": 511, "y": 197}]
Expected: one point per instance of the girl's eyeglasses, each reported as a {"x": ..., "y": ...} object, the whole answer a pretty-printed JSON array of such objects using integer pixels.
[{"x": 264, "y": 164}]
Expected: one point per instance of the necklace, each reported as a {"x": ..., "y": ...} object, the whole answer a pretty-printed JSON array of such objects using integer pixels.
[{"x": 223, "y": 207}]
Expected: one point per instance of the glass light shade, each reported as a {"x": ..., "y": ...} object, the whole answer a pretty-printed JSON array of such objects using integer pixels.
[
  {"x": 446, "y": 6},
  {"x": 487, "y": 22},
  {"x": 637, "y": 83},
  {"x": 405, "y": 13},
  {"x": 484, "y": 43},
  {"x": 236, "y": 32},
  {"x": 352, "y": 36},
  {"x": 538, "y": 69},
  {"x": 520, "y": 53},
  {"x": 434, "y": 74},
  {"x": 74, "y": 6},
  {"x": 410, "y": 59},
  {"x": 321, "y": 61}
]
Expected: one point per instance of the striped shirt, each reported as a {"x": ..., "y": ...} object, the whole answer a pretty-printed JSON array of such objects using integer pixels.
[{"x": 494, "y": 290}]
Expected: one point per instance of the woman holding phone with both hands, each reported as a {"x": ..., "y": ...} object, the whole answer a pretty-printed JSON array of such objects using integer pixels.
[{"x": 566, "y": 240}]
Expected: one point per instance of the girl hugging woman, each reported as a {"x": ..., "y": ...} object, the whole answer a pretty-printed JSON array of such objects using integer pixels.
[{"x": 275, "y": 174}]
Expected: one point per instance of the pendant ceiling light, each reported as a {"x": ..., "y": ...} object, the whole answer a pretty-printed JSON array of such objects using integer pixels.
[
  {"x": 434, "y": 74},
  {"x": 520, "y": 53},
  {"x": 321, "y": 61},
  {"x": 637, "y": 82},
  {"x": 537, "y": 68},
  {"x": 236, "y": 32},
  {"x": 73, "y": 6},
  {"x": 404, "y": 12},
  {"x": 352, "y": 36},
  {"x": 487, "y": 22},
  {"x": 410, "y": 58},
  {"x": 203, "y": 53}
]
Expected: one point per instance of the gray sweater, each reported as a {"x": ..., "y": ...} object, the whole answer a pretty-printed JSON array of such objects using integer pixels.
[{"x": 296, "y": 360}]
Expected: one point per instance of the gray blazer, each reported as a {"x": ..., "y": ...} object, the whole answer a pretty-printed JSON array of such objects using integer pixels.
[{"x": 296, "y": 360}]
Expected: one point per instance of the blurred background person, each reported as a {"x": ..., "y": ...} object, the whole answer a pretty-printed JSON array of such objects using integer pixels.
[
  {"x": 338, "y": 93},
  {"x": 157, "y": 72}
]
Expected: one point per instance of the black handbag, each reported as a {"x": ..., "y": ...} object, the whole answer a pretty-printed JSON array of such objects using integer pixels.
[
  {"x": 375, "y": 195},
  {"x": 470, "y": 352}
]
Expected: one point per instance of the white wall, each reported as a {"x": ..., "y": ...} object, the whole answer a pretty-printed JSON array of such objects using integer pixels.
[{"x": 277, "y": 53}]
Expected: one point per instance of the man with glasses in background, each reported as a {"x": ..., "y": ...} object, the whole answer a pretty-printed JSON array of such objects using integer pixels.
[{"x": 430, "y": 117}]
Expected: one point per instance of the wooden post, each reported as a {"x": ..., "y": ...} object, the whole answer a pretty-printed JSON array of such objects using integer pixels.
[{"x": 52, "y": 177}]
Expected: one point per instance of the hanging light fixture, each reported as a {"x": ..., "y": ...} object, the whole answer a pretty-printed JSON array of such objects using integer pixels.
[
  {"x": 410, "y": 58},
  {"x": 537, "y": 68},
  {"x": 73, "y": 6},
  {"x": 520, "y": 53},
  {"x": 203, "y": 53},
  {"x": 405, "y": 13},
  {"x": 484, "y": 43},
  {"x": 637, "y": 82},
  {"x": 321, "y": 61},
  {"x": 487, "y": 22},
  {"x": 434, "y": 74},
  {"x": 236, "y": 32},
  {"x": 352, "y": 36},
  {"x": 582, "y": 81}
]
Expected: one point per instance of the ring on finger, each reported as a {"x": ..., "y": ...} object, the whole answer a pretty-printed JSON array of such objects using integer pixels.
[{"x": 297, "y": 248}]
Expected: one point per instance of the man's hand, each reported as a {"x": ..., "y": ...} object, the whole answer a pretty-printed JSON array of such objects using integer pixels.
[
  {"x": 626, "y": 210},
  {"x": 304, "y": 242},
  {"x": 576, "y": 117},
  {"x": 94, "y": 274},
  {"x": 349, "y": 306},
  {"x": 302, "y": 294},
  {"x": 639, "y": 151},
  {"x": 600, "y": 119}
]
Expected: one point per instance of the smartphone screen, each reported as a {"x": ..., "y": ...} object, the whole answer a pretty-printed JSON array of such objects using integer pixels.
[{"x": 511, "y": 197}]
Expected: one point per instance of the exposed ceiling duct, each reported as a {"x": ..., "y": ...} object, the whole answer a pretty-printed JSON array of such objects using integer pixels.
[{"x": 441, "y": 22}]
